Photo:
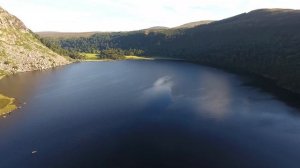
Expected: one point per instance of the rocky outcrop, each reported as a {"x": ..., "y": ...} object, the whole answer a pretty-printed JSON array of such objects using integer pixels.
[{"x": 21, "y": 50}]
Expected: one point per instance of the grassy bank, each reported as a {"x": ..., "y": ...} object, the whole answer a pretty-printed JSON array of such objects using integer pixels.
[
  {"x": 90, "y": 56},
  {"x": 95, "y": 57},
  {"x": 133, "y": 57},
  {"x": 6, "y": 105}
]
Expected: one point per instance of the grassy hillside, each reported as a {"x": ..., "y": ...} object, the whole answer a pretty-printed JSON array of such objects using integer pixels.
[
  {"x": 265, "y": 42},
  {"x": 20, "y": 50}
]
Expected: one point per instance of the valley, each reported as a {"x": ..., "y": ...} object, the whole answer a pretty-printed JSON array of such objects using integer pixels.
[{"x": 209, "y": 93}]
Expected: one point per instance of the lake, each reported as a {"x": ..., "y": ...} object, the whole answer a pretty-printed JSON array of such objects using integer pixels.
[{"x": 145, "y": 114}]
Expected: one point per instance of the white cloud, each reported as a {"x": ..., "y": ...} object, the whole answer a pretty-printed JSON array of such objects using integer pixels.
[{"x": 116, "y": 15}]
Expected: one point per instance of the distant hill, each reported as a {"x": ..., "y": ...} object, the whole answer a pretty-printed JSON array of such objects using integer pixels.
[
  {"x": 65, "y": 34},
  {"x": 157, "y": 28},
  {"x": 193, "y": 24},
  {"x": 53, "y": 34},
  {"x": 264, "y": 42},
  {"x": 21, "y": 50},
  {"x": 69, "y": 35}
]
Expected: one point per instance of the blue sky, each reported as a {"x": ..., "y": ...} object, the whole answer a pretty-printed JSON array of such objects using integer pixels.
[{"x": 125, "y": 15}]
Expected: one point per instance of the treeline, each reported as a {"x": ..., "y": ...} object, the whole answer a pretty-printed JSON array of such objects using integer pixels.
[
  {"x": 91, "y": 44},
  {"x": 74, "y": 48},
  {"x": 56, "y": 47},
  {"x": 140, "y": 40},
  {"x": 262, "y": 42}
]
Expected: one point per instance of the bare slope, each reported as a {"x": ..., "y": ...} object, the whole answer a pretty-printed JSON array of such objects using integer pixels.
[{"x": 20, "y": 50}]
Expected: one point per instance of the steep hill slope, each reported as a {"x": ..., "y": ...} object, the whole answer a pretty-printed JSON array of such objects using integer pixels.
[
  {"x": 264, "y": 42},
  {"x": 20, "y": 50}
]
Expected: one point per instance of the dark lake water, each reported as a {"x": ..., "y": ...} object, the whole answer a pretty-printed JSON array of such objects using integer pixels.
[{"x": 129, "y": 114}]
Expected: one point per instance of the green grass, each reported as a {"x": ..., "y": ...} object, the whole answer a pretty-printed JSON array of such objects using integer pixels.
[
  {"x": 6, "y": 105},
  {"x": 95, "y": 57},
  {"x": 133, "y": 57},
  {"x": 90, "y": 56},
  {"x": 98, "y": 60}
]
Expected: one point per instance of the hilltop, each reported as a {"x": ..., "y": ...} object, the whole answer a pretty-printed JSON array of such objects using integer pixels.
[{"x": 193, "y": 24}]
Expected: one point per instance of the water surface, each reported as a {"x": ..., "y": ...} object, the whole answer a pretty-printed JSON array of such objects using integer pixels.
[{"x": 145, "y": 114}]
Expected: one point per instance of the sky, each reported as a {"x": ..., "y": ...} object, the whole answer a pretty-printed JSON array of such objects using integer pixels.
[{"x": 126, "y": 15}]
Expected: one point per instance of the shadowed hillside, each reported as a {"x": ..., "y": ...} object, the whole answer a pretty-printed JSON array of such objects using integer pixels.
[{"x": 265, "y": 42}]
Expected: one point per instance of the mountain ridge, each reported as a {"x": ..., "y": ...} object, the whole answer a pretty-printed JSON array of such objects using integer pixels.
[
  {"x": 57, "y": 34},
  {"x": 194, "y": 24}
]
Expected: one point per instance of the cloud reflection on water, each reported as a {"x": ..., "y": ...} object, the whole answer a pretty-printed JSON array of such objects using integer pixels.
[
  {"x": 162, "y": 85},
  {"x": 213, "y": 99},
  {"x": 160, "y": 92},
  {"x": 216, "y": 95}
]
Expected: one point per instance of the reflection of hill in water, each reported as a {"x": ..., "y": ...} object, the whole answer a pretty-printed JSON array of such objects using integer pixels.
[{"x": 13, "y": 86}]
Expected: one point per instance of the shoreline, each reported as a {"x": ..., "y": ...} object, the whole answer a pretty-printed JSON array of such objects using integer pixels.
[
  {"x": 131, "y": 57},
  {"x": 243, "y": 73},
  {"x": 8, "y": 104},
  {"x": 96, "y": 60}
]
